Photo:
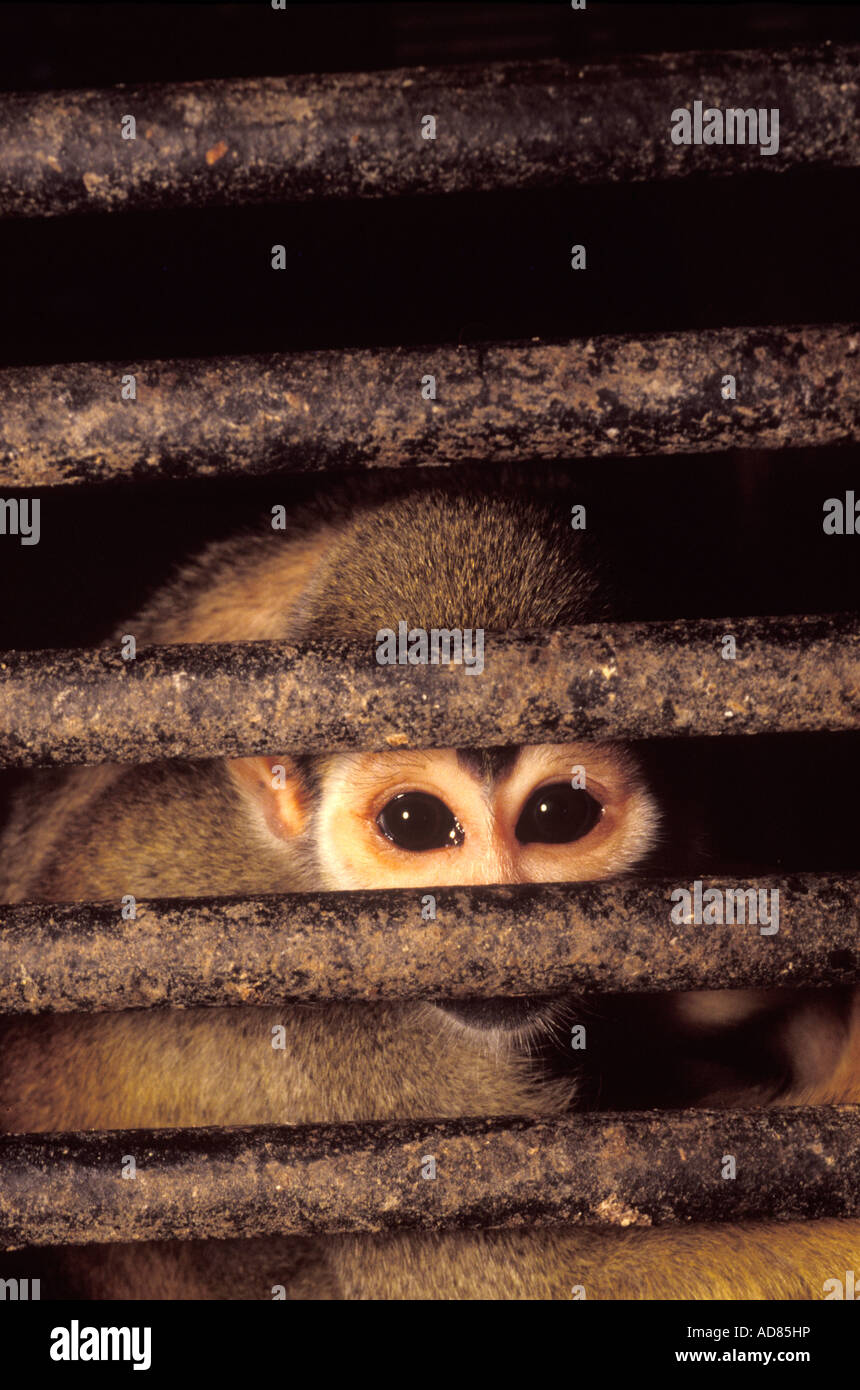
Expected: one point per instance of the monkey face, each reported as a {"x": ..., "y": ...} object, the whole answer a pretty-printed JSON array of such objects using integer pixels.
[
  {"x": 444, "y": 818},
  {"x": 438, "y": 817}
]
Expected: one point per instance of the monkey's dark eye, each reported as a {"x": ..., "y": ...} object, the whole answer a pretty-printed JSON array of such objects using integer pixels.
[
  {"x": 557, "y": 815},
  {"x": 417, "y": 821}
]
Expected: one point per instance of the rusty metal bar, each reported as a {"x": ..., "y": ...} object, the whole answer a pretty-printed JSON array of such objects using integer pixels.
[
  {"x": 617, "y": 936},
  {"x": 655, "y": 394},
  {"x": 628, "y": 680},
  {"x": 631, "y": 1169},
  {"x": 347, "y": 135}
]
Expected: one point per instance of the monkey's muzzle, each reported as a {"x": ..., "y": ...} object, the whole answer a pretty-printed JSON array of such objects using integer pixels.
[{"x": 506, "y": 1014}]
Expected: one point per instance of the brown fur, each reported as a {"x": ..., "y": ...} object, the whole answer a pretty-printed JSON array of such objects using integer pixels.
[{"x": 443, "y": 558}]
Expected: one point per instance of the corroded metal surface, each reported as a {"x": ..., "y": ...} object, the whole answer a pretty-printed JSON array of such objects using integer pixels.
[
  {"x": 342, "y": 135},
  {"x": 588, "y": 937},
  {"x": 659, "y": 393},
  {"x": 631, "y": 1169},
  {"x": 628, "y": 680}
]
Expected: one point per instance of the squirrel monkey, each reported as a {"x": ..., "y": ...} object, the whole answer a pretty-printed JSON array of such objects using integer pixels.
[{"x": 441, "y": 558}]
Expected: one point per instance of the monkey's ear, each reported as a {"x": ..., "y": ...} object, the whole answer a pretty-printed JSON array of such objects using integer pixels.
[{"x": 275, "y": 784}]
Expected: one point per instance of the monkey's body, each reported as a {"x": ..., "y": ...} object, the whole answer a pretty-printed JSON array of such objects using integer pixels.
[{"x": 435, "y": 560}]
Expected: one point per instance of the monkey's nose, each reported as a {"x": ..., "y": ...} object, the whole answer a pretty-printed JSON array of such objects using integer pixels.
[{"x": 491, "y": 862}]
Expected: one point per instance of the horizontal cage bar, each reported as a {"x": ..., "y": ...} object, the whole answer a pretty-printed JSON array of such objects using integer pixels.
[
  {"x": 654, "y": 394},
  {"x": 346, "y": 135},
  {"x": 589, "y": 937},
  {"x": 630, "y": 1169},
  {"x": 628, "y": 680}
]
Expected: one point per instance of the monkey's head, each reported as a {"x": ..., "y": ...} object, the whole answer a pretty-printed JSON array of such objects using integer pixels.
[{"x": 441, "y": 817}]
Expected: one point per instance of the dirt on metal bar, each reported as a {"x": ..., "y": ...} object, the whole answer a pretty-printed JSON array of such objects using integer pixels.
[
  {"x": 623, "y": 1170},
  {"x": 631, "y": 396},
  {"x": 584, "y": 938},
  {"x": 348, "y": 135},
  {"x": 627, "y": 680}
]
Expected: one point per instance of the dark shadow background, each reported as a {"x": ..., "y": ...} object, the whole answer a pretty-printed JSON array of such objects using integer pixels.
[{"x": 711, "y": 535}]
